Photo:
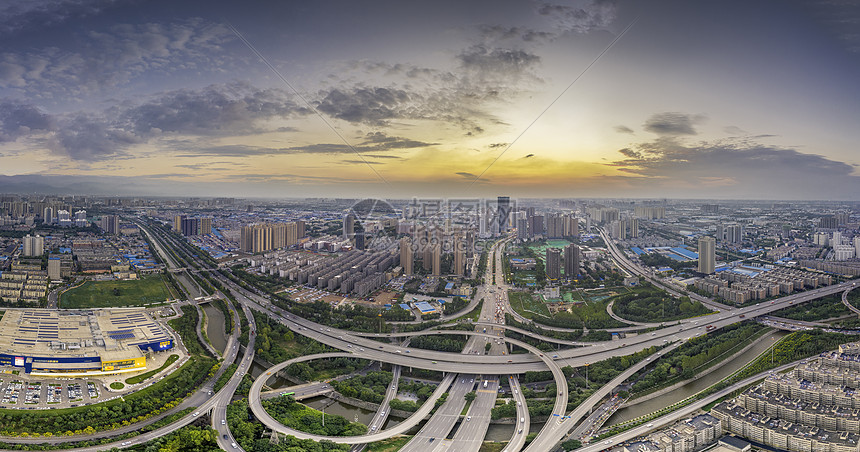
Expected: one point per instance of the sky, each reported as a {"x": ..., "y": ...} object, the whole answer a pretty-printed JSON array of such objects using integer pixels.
[{"x": 544, "y": 98}]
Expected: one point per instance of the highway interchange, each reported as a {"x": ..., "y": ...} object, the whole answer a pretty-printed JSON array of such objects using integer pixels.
[{"x": 465, "y": 372}]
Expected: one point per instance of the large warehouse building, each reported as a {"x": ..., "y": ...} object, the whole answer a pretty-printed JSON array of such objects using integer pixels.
[{"x": 73, "y": 343}]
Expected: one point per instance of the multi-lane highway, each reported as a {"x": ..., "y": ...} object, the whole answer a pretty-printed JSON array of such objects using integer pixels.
[{"x": 523, "y": 418}]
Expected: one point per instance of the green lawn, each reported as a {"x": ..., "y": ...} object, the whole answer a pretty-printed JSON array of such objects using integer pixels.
[
  {"x": 106, "y": 294},
  {"x": 138, "y": 378},
  {"x": 527, "y": 304},
  {"x": 389, "y": 445}
]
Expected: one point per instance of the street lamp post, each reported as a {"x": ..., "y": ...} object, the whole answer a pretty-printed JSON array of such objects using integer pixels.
[{"x": 771, "y": 349}]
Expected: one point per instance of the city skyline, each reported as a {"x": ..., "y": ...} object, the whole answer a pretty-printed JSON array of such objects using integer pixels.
[{"x": 539, "y": 99}]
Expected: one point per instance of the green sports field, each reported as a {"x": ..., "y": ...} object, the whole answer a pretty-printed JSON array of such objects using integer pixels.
[{"x": 108, "y": 294}]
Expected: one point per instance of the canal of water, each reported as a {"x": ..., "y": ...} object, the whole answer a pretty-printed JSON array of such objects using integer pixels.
[
  {"x": 712, "y": 376},
  {"x": 215, "y": 327}
]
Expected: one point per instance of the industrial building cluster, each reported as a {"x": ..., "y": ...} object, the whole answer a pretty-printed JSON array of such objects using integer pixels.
[
  {"x": 815, "y": 407},
  {"x": 740, "y": 285}
]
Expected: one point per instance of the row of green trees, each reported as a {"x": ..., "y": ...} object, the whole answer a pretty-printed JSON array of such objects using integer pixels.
[
  {"x": 300, "y": 417},
  {"x": 186, "y": 326},
  {"x": 134, "y": 407},
  {"x": 453, "y": 343},
  {"x": 696, "y": 355},
  {"x": 795, "y": 346},
  {"x": 325, "y": 368},
  {"x": 422, "y": 391},
  {"x": 818, "y": 309},
  {"x": 455, "y": 305},
  {"x": 276, "y": 342},
  {"x": 657, "y": 260},
  {"x": 649, "y": 304},
  {"x": 370, "y": 387},
  {"x": 249, "y": 434}
]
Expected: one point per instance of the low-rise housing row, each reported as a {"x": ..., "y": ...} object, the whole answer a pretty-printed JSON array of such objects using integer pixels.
[
  {"x": 689, "y": 435},
  {"x": 842, "y": 268},
  {"x": 782, "y": 434},
  {"x": 740, "y": 287},
  {"x": 812, "y": 392},
  {"x": 828, "y": 417}
]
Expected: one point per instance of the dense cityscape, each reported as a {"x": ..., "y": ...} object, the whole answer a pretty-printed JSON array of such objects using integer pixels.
[
  {"x": 467, "y": 324},
  {"x": 430, "y": 226}
]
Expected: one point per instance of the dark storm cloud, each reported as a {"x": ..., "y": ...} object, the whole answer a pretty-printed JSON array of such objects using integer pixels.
[
  {"x": 362, "y": 162},
  {"x": 630, "y": 153},
  {"x": 90, "y": 138},
  {"x": 364, "y": 105},
  {"x": 235, "y": 150},
  {"x": 381, "y": 141},
  {"x": 19, "y": 119},
  {"x": 457, "y": 103},
  {"x": 590, "y": 16},
  {"x": 673, "y": 123},
  {"x": 92, "y": 60},
  {"x": 745, "y": 163},
  {"x": 376, "y": 156},
  {"x": 374, "y": 142},
  {"x": 217, "y": 109},
  {"x": 497, "y": 61},
  {"x": 213, "y": 166},
  {"x": 623, "y": 129},
  {"x": 501, "y": 32}
]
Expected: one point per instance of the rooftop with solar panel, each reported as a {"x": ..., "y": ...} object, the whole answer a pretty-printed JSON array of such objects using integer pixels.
[{"x": 100, "y": 341}]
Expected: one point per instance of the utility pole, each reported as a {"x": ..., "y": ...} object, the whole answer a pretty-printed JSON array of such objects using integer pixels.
[{"x": 586, "y": 375}]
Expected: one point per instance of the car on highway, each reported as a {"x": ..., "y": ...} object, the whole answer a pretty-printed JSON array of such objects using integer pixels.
[{"x": 468, "y": 418}]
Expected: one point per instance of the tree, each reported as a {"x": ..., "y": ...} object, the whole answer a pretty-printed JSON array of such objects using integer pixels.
[
  {"x": 470, "y": 396},
  {"x": 571, "y": 444}
]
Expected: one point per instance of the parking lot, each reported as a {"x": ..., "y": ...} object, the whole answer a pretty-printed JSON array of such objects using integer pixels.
[{"x": 48, "y": 393}]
